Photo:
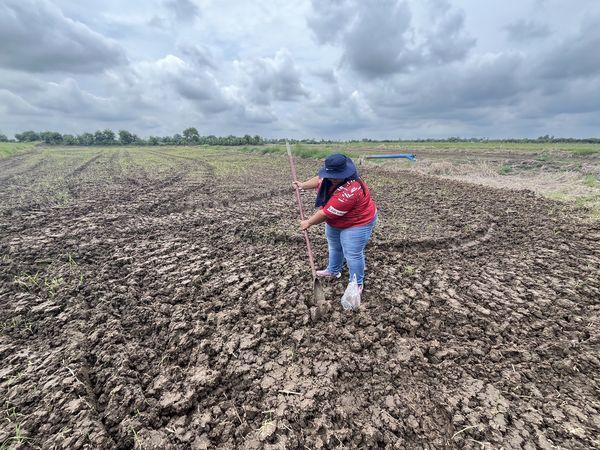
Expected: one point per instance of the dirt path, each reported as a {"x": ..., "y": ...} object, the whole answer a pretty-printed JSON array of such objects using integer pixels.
[{"x": 160, "y": 311}]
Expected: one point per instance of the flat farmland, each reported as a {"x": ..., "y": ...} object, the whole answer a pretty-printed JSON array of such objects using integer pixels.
[{"x": 160, "y": 298}]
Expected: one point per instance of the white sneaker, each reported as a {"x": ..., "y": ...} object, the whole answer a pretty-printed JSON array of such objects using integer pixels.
[{"x": 326, "y": 274}]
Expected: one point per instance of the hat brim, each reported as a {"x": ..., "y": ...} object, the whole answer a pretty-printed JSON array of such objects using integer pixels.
[{"x": 341, "y": 174}]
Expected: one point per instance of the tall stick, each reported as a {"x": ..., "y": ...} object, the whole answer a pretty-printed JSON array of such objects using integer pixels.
[{"x": 311, "y": 259}]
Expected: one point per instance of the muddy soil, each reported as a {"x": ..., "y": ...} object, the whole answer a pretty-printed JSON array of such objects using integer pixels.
[{"x": 159, "y": 300}]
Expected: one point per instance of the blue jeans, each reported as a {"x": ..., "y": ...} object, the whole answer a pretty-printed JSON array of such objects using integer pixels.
[{"x": 349, "y": 244}]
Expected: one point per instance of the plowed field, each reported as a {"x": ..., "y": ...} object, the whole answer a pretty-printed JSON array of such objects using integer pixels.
[{"x": 160, "y": 298}]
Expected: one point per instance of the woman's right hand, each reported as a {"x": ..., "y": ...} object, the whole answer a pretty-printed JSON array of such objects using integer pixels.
[{"x": 298, "y": 184}]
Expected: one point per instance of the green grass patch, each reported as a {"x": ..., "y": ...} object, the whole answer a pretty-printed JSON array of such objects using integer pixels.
[
  {"x": 299, "y": 150},
  {"x": 543, "y": 158},
  {"x": 408, "y": 271},
  {"x": 561, "y": 196},
  {"x": 591, "y": 203},
  {"x": 309, "y": 151},
  {"x": 505, "y": 169},
  {"x": 10, "y": 148},
  {"x": 586, "y": 151},
  {"x": 591, "y": 180}
]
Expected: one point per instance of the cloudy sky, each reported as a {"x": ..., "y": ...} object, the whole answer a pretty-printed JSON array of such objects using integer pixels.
[{"x": 320, "y": 68}]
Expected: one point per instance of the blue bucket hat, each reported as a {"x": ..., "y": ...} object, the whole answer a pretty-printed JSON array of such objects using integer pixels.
[{"x": 337, "y": 166}]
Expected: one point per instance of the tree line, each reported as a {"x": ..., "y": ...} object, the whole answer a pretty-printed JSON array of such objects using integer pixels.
[{"x": 189, "y": 136}]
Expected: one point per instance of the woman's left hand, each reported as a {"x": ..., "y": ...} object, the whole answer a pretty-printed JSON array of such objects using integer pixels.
[{"x": 304, "y": 224}]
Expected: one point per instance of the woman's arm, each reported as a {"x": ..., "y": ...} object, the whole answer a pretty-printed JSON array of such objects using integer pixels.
[
  {"x": 316, "y": 218},
  {"x": 311, "y": 183}
]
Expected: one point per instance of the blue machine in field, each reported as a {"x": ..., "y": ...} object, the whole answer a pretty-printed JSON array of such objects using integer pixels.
[{"x": 408, "y": 156}]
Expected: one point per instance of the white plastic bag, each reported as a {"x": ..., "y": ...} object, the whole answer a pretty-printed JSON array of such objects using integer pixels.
[{"x": 351, "y": 297}]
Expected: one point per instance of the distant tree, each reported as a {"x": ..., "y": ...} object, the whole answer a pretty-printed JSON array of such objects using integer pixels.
[
  {"x": 228, "y": 140},
  {"x": 98, "y": 138},
  {"x": 51, "y": 137},
  {"x": 178, "y": 139},
  {"x": 153, "y": 140},
  {"x": 138, "y": 140},
  {"x": 27, "y": 136},
  {"x": 126, "y": 138},
  {"x": 105, "y": 137},
  {"x": 85, "y": 139},
  {"x": 69, "y": 139},
  {"x": 109, "y": 137},
  {"x": 3, "y": 138},
  {"x": 191, "y": 135}
]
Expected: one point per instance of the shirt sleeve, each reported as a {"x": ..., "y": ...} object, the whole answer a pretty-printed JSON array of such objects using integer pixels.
[{"x": 341, "y": 202}]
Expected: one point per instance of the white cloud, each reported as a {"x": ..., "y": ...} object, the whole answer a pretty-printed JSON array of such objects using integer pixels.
[
  {"x": 11, "y": 103},
  {"x": 37, "y": 37},
  {"x": 383, "y": 40},
  {"x": 576, "y": 55},
  {"x": 526, "y": 30},
  {"x": 183, "y": 11},
  {"x": 271, "y": 79}
]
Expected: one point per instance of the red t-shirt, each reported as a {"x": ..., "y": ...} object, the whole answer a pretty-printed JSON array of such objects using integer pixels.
[{"x": 350, "y": 206}]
